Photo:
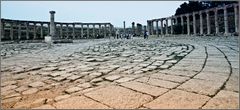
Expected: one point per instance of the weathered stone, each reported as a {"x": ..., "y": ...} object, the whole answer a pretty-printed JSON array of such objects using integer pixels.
[
  {"x": 74, "y": 77},
  {"x": 8, "y": 83},
  {"x": 45, "y": 107},
  {"x": 9, "y": 87},
  {"x": 30, "y": 91},
  {"x": 173, "y": 78},
  {"x": 119, "y": 97},
  {"x": 223, "y": 100},
  {"x": 9, "y": 100},
  {"x": 49, "y": 68},
  {"x": 96, "y": 80},
  {"x": 124, "y": 79},
  {"x": 85, "y": 85},
  {"x": 59, "y": 78},
  {"x": 201, "y": 86},
  {"x": 112, "y": 78},
  {"x": 36, "y": 84},
  {"x": 158, "y": 82},
  {"x": 61, "y": 97},
  {"x": 177, "y": 99},
  {"x": 79, "y": 102},
  {"x": 145, "y": 88},
  {"x": 73, "y": 89}
]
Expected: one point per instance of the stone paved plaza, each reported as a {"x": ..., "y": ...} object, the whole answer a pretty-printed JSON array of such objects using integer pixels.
[{"x": 169, "y": 72}]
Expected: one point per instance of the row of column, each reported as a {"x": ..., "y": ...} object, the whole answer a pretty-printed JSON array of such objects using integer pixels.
[
  {"x": 174, "y": 18},
  {"x": 19, "y": 30}
]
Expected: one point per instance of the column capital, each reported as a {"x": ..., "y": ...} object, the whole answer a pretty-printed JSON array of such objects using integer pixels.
[{"x": 52, "y": 12}]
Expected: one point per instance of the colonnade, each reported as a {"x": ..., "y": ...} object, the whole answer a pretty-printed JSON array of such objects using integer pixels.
[
  {"x": 192, "y": 27},
  {"x": 31, "y": 30}
]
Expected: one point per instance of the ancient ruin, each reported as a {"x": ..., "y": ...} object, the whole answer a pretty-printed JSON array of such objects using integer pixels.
[{"x": 196, "y": 66}]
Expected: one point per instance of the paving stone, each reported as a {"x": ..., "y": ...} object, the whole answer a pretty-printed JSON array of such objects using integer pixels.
[
  {"x": 38, "y": 102},
  {"x": 36, "y": 84},
  {"x": 45, "y": 107},
  {"x": 30, "y": 91},
  {"x": 178, "y": 99},
  {"x": 158, "y": 82},
  {"x": 124, "y": 79},
  {"x": 10, "y": 100},
  {"x": 223, "y": 100},
  {"x": 49, "y": 68},
  {"x": 85, "y": 85},
  {"x": 73, "y": 89},
  {"x": 96, "y": 80},
  {"x": 211, "y": 77},
  {"x": 12, "y": 95},
  {"x": 119, "y": 97},
  {"x": 61, "y": 97},
  {"x": 173, "y": 78},
  {"x": 145, "y": 88},
  {"x": 59, "y": 78},
  {"x": 179, "y": 72},
  {"x": 112, "y": 78},
  {"x": 9, "y": 87},
  {"x": 233, "y": 83},
  {"x": 87, "y": 69},
  {"x": 204, "y": 87},
  {"x": 79, "y": 102},
  {"x": 8, "y": 83},
  {"x": 164, "y": 67},
  {"x": 21, "y": 88},
  {"x": 96, "y": 74},
  {"x": 74, "y": 77}
]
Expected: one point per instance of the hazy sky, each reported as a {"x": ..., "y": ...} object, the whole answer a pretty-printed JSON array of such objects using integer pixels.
[{"x": 90, "y": 11}]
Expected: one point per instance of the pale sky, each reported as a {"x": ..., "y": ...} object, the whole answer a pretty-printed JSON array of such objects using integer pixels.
[{"x": 114, "y": 12}]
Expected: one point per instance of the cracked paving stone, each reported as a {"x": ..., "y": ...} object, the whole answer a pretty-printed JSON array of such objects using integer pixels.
[
  {"x": 204, "y": 87},
  {"x": 73, "y": 89},
  {"x": 74, "y": 77},
  {"x": 30, "y": 91},
  {"x": 85, "y": 85},
  {"x": 49, "y": 69},
  {"x": 179, "y": 72},
  {"x": 9, "y": 87},
  {"x": 145, "y": 88},
  {"x": 36, "y": 84},
  {"x": 158, "y": 82},
  {"x": 173, "y": 78},
  {"x": 21, "y": 88},
  {"x": 96, "y": 80},
  {"x": 211, "y": 77},
  {"x": 178, "y": 99},
  {"x": 124, "y": 79},
  {"x": 112, "y": 78},
  {"x": 223, "y": 100},
  {"x": 119, "y": 97},
  {"x": 61, "y": 97},
  {"x": 59, "y": 78},
  {"x": 45, "y": 107},
  {"x": 79, "y": 102},
  {"x": 8, "y": 83}
]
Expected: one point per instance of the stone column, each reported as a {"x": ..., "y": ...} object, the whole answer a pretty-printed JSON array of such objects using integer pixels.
[
  {"x": 73, "y": 33},
  {"x": 133, "y": 28},
  {"x": 19, "y": 30},
  {"x": 99, "y": 31},
  {"x": 171, "y": 25},
  {"x": 124, "y": 28},
  {"x": 61, "y": 31},
  {"x": 161, "y": 26},
  {"x": 11, "y": 30},
  {"x": 67, "y": 34},
  {"x": 48, "y": 28},
  {"x": 208, "y": 23},
  {"x": 216, "y": 21},
  {"x": 94, "y": 35},
  {"x": 52, "y": 25},
  {"x": 157, "y": 30},
  {"x": 82, "y": 30},
  {"x": 34, "y": 31},
  {"x": 41, "y": 30},
  {"x": 236, "y": 18},
  {"x": 225, "y": 21},
  {"x": 152, "y": 27},
  {"x": 27, "y": 30},
  {"x": 166, "y": 26},
  {"x": 105, "y": 33},
  {"x": 182, "y": 24},
  {"x": 88, "y": 31},
  {"x": 201, "y": 23},
  {"x": 2, "y": 29},
  {"x": 194, "y": 24},
  {"x": 148, "y": 26},
  {"x": 188, "y": 24}
]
